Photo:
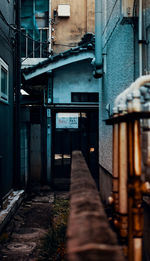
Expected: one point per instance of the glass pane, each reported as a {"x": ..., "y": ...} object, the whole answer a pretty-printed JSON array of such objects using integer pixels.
[
  {"x": 66, "y": 159},
  {"x": 58, "y": 159},
  {"x": 23, "y": 43},
  {"x": 84, "y": 97},
  {"x": 41, "y": 6},
  {"x": 37, "y": 50},
  {"x": 30, "y": 44},
  {"x": 93, "y": 97},
  {"x": 44, "y": 45},
  {"x": 3, "y": 82}
]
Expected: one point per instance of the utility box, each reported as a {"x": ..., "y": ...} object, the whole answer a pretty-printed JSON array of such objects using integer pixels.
[
  {"x": 128, "y": 11},
  {"x": 63, "y": 10}
]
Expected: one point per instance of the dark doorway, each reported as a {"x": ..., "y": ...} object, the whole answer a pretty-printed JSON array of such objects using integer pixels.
[{"x": 74, "y": 131}]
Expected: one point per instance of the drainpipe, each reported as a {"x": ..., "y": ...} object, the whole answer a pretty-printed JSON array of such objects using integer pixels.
[
  {"x": 50, "y": 27},
  {"x": 49, "y": 126},
  {"x": 140, "y": 37},
  {"x": 98, "y": 40}
]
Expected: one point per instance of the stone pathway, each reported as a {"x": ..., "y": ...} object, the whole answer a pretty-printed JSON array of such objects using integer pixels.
[{"x": 21, "y": 239}]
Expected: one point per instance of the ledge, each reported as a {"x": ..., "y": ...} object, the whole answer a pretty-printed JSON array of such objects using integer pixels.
[
  {"x": 13, "y": 202},
  {"x": 89, "y": 236}
]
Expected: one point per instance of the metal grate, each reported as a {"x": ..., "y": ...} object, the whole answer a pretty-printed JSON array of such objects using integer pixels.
[{"x": 31, "y": 48}]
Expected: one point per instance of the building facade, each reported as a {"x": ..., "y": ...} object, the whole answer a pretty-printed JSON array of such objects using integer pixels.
[
  {"x": 123, "y": 149},
  {"x": 122, "y": 65},
  {"x": 70, "y": 21},
  {"x": 7, "y": 17},
  {"x": 51, "y": 27},
  {"x": 67, "y": 114}
]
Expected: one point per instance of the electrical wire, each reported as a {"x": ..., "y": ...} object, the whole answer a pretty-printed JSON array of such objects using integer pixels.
[
  {"x": 109, "y": 17},
  {"x": 12, "y": 27},
  {"x": 30, "y": 54}
]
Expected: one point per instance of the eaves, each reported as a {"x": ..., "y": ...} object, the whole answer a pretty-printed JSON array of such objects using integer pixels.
[{"x": 57, "y": 64}]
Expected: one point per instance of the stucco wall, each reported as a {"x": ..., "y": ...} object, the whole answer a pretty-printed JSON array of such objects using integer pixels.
[
  {"x": 73, "y": 78},
  {"x": 68, "y": 31},
  {"x": 118, "y": 50},
  {"x": 6, "y": 110}
]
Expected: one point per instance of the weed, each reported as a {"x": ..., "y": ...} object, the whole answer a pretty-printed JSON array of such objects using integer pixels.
[{"x": 53, "y": 246}]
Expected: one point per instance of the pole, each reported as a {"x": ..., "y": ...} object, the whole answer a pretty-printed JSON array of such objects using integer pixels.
[{"x": 17, "y": 180}]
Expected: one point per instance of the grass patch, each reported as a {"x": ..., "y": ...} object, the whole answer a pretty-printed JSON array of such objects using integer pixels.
[{"x": 53, "y": 246}]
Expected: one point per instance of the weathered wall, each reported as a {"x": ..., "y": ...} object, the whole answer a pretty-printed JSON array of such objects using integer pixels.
[
  {"x": 76, "y": 77},
  {"x": 119, "y": 72},
  {"x": 6, "y": 110},
  {"x": 68, "y": 31}
]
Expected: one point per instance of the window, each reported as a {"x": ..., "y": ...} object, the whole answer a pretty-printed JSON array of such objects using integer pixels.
[
  {"x": 35, "y": 28},
  {"x": 3, "y": 81},
  {"x": 84, "y": 97}
]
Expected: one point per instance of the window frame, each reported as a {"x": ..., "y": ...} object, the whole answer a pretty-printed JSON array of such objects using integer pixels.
[
  {"x": 4, "y": 97},
  {"x": 80, "y": 96}
]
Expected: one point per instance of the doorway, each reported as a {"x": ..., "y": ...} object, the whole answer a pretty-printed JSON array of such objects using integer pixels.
[{"x": 74, "y": 131}]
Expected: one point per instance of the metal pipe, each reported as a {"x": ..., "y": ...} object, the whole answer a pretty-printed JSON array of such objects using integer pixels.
[
  {"x": 140, "y": 37},
  {"x": 135, "y": 185},
  {"x": 141, "y": 81},
  {"x": 137, "y": 148},
  {"x": 50, "y": 27},
  {"x": 17, "y": 180},
  {"x": 98, "y": 39},
  {"x": 115, "y": 167},
  {"x": 123, "y": 175},
  {"x": 98, "y": 33},
  {"x": 137, "y": 243}
]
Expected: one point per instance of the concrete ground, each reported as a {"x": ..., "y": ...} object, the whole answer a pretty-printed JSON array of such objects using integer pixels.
[{"x": 21, "y": 239}]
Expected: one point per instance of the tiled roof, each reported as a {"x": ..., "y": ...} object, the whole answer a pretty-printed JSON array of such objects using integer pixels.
[{"x": 87, "y": 43}]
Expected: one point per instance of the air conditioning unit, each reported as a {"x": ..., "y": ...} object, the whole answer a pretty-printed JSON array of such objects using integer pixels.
[
  {"x": 63, "y": 10},
  {"x": 127, "y": 11}
]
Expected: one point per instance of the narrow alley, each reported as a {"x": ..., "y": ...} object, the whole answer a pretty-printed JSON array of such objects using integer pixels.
[
  {"x": 28, "y": 235},
  {"x": 74, "y": 130}
]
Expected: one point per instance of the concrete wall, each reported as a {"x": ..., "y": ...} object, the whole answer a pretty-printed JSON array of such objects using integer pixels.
[
  {"x": 68, "y": 31},
  {"x": 119, "y": 72},
  {"x": 76, "y": 77},
  {"x": 6, "y": 110},
  {"x": 89, "y": 236}
]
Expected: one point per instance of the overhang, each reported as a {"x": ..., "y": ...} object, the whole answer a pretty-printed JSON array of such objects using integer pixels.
[{"x": 52, "y": 65}]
